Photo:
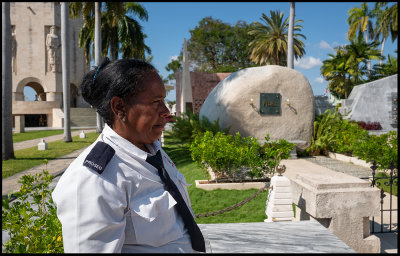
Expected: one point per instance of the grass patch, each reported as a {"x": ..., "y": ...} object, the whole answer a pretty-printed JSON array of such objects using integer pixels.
[
  {"x": 31, "y": 157},
  {"x": 30, "y": 135},
  {"x": 204, "y": 201},
  {"x": 380, "y": 183}
]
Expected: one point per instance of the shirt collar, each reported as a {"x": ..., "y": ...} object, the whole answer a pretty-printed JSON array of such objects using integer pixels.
[{"x": 127, "y": 146}]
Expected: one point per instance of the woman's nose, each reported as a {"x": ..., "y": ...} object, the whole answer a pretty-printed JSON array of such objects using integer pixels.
[{"x": 165, "y": 111}]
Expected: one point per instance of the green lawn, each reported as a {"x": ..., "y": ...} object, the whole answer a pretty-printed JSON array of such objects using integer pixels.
[
  {"x": 204, "y": 201},
  {"x": 31, "y": 157},
  {"x": 30, "y": 135}
]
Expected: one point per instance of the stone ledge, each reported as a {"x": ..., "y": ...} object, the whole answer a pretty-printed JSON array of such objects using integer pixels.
[
  {"x": 237, "y": 186},
  {"x": 349, "y": 159}
]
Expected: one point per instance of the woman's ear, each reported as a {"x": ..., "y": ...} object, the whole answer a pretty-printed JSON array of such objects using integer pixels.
[{"x": 118, "y": 107}]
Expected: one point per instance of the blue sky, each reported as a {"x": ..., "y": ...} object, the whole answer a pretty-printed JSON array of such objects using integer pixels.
[{"x": 324, "y": 25}]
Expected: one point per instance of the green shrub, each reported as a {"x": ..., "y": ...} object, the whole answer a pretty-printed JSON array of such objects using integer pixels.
[
  {"x": 189, "y": 125},
  {"x": 383, "y": 149},
  {"x": 32, "y": 227},
  {"x": 333, "y": 133},
  {"x": 229, "y": 156}
]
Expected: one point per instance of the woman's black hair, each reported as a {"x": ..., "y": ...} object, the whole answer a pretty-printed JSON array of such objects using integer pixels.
[{"x": 122, "y": 78}]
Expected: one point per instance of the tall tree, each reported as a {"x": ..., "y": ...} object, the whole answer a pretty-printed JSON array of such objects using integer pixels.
[
  {"x": 385, "y": 23},
  {"x": 65, "y": 70},
  {"x": 290, "y": 56},
  {"x": 120, "y": 32},
  {"x": 97, "y": 55},
  {"x": 360, "y": 21},
  {"x": 216, "y": 46},
  {"x": 6, "y": 84},
  {"x": 359, "y": 55},
  {"x": 335, "y": 71},
  {"x": 270, "y": 45}
]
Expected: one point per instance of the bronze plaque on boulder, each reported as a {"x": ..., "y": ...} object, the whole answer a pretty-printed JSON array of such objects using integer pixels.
[{"x": 270, "y": 103}]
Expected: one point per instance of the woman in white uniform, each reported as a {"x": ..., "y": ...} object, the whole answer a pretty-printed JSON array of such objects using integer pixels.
[{"x": 123, "y": 193}]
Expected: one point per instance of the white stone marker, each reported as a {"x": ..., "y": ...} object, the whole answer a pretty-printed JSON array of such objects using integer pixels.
[
  {"x": 279, "y": 201},
  {"x": 82, "y": 135},
  {"x": 42, "y": 145}
]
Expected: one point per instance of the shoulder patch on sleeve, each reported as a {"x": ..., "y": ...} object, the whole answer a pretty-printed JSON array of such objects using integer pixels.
[{"x": 99, "y": 157}]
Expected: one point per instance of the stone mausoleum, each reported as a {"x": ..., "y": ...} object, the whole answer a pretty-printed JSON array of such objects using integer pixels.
[{"x": 36, "y": 63}]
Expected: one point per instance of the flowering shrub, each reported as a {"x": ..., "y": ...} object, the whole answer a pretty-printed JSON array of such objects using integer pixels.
[
  {"x": 369, "y": 125},
  {"x": 33, "y": 227}
]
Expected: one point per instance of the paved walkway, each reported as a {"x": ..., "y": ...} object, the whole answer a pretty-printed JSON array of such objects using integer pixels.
[{"x": 57, "y": 167}]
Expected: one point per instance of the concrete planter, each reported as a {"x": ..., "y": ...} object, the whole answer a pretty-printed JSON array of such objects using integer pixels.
[
  {"x": 211, "y": 184},
  {"x": 204, "y": 184},
  {"x": 349, "y": 159}
]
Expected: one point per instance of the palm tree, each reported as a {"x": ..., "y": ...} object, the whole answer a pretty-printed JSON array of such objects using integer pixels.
[
  {"x": 360, "y": 53},
  {"x": 360, "y": 21},
  {"x": 120, "y": 33},
  {"x": 386, "y": 20},
  {"x": 65, "y": 70},
  {"x": 271, "y": 40},
  {"x": 290, "y": 36},
  {"x": 334, "y": 70},
  {"x": 6, "y": 84}
]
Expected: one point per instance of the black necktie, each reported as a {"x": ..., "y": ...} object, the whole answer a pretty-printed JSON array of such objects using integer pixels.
[{"x": 196, "y": 236}]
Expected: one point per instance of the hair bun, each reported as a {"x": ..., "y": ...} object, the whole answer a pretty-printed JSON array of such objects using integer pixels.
[{"x": 93, "y": 92}]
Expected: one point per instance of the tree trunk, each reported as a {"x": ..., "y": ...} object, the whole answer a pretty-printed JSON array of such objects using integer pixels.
[
  {"x": 290, "y": 37},
  {"x": 65, "y": 69},
  {"x": 113, "y": 45},
  {"x": 97, "y": 53},
  {"x": 368, "y": 61},
  {"x": 383, "y": 46},
  {"x": 6, "y": 84}
]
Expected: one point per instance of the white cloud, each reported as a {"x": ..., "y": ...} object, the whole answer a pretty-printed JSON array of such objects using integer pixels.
[
  {"x": 307, "y": 62},
  {"x": 324, "y": 45},
  {"x": 175, "y": 57},
  {"x": 319, "y": 80}
]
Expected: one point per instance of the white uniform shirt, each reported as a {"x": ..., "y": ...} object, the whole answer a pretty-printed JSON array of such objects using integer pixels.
[{"x": 123, "y": 209}]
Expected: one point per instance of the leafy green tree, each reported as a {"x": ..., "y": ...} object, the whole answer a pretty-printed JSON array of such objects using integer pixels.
[
  {"x": 385, "y": 24},
  {"x": 359, "y": 53},
  {"x": 348, "y": 66},
  {"x": 388, "y": 68},
  {"x": 270, "y": 43},
  {"x": 216, "y": 46},
  {"x": 174, "y": 66},
  {"x": 335, "y": 70},
  {"x": 120, "y": 33}
]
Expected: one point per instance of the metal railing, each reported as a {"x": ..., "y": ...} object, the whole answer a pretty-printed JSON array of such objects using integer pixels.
[{"x": 380, "y": 182}]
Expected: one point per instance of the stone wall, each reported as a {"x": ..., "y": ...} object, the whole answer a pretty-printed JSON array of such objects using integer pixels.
[
  {"x": 373, "y": 102},
  {"x": 201, "y": 83}
]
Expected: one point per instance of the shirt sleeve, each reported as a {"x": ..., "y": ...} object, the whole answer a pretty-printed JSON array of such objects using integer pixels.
[{"x": 91, "y": 211}]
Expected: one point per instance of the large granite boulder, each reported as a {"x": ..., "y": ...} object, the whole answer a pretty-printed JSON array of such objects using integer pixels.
[{"x": 236, "y": 102}]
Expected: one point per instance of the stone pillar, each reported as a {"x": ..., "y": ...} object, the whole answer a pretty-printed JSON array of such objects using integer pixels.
[
  {"x": 18, "y": 96},
  {"x": 279, "y": 202},
  {"x": 19, "y": 123},
  {"x": 54, "y": 96}
]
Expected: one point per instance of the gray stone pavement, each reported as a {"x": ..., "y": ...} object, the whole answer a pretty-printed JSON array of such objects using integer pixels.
[{"x": 388, "y": 240}]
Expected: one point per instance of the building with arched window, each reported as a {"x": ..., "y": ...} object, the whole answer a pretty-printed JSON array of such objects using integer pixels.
[{"x": 36, "y": 63}]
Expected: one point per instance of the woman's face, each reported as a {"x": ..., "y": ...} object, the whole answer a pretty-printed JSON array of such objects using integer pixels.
[{"x": 147, "y": 114}]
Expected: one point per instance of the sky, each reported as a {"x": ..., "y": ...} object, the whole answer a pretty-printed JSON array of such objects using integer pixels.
[{"x": 324, "y": 25}]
